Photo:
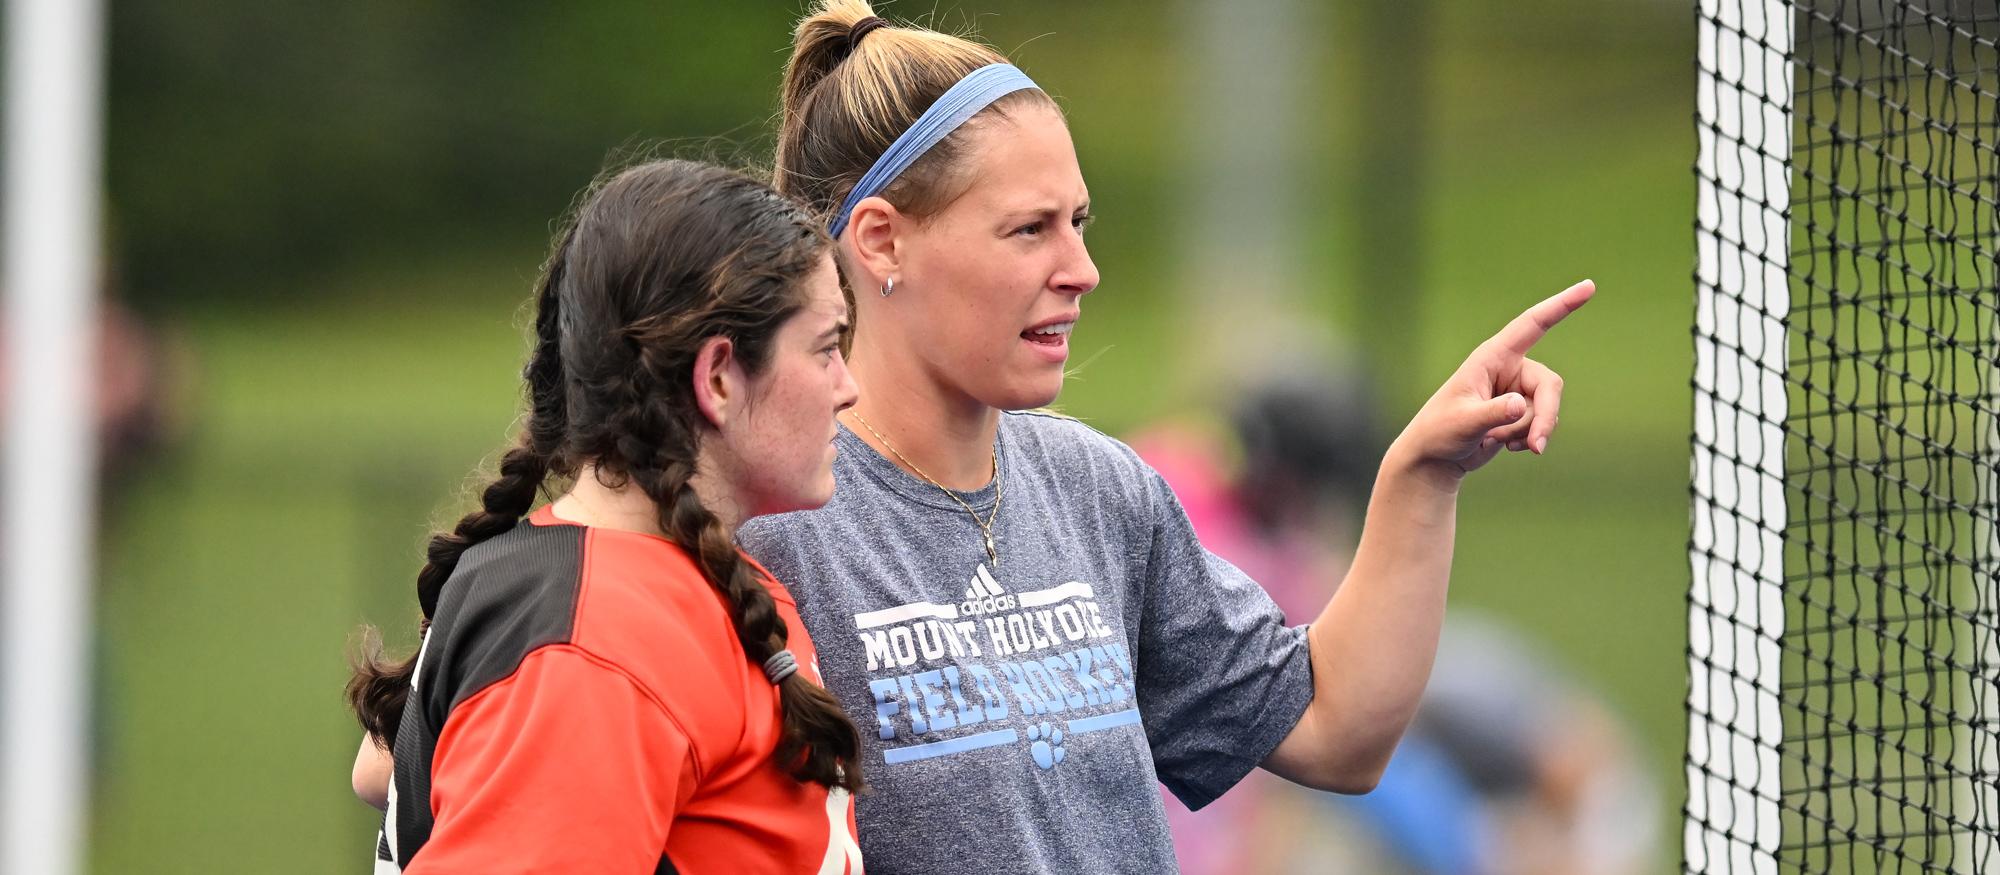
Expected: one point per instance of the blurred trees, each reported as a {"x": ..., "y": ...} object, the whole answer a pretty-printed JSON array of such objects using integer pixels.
[{"x": 251, "y": 142}]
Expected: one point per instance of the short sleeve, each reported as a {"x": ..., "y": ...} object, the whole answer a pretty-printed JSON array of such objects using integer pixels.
[
  {"x": 567, "y": 766},
  {"x": 1221, "y": 680}
]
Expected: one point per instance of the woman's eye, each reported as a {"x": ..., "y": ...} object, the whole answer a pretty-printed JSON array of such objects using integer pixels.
[
  {"x": 1030, "y": 228},
  {"x": 1082, "y": 222}
]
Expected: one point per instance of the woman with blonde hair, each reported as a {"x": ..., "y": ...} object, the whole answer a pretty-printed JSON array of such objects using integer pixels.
[{"x": 1013, "y": 606}]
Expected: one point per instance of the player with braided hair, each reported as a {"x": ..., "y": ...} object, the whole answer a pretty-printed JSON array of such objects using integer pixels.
[{"x": 611, "y": 685}]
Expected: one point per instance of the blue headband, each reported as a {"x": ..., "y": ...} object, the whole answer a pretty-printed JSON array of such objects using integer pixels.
[{"x": 975, "y": 92}]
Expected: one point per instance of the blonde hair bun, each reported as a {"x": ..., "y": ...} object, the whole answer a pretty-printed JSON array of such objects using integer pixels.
[{"x": 845, "y": 101}]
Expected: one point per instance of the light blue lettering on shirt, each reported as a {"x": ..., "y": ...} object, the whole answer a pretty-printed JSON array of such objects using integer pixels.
[
  {"x": 967, "y": 714},
  {"x": 1135, "y": 656},
  {"x": 886, "y": 705}
]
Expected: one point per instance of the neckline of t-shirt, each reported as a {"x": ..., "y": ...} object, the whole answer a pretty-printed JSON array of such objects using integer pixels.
[{"x": 887, "y": 473}]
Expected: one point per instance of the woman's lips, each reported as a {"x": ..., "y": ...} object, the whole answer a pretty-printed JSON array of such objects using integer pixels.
[
  {"x": 1053, "y": 334},
  {"x": 1050, "y": 341}
]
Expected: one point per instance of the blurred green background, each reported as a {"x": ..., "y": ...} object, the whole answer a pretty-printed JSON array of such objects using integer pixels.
[{"x": 335, "y": 212}]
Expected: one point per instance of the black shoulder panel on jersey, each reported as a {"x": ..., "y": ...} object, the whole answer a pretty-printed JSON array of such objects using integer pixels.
[{"x": 508, "y": 597}]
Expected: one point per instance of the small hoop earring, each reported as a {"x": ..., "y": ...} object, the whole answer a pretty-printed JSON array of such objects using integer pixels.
[{"x": 889, "y": 287}]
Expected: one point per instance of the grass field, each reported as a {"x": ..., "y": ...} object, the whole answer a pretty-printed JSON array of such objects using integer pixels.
[{"x": 324, "y": 437}]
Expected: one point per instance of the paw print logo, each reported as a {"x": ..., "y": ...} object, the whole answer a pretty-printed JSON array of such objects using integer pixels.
[{"x": 1047, "y": 747}]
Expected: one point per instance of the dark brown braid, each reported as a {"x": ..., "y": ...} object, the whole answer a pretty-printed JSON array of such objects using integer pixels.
[
  {"x": 663, "y": 257},
  {"x": 378, "y": 689}
]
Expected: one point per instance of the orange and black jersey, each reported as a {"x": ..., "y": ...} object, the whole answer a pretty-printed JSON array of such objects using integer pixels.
[{"x": 582, "y": 704}]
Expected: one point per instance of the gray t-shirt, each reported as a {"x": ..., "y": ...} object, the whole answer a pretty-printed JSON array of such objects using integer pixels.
[{"x": 1015, "y": 719}]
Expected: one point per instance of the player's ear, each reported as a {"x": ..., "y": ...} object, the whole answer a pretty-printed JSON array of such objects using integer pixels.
[
  {"x": 872, "y": 237},
  {"x": 719, "y": 382}
]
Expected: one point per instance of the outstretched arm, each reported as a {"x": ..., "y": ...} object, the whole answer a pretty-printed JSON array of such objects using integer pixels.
[{"x": 1373, "y": 645}]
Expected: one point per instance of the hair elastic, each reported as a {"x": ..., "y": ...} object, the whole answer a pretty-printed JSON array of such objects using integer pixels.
[
  {"x": 861, "y": 29},
  {"x": 975, "y": 92},
  {"x": 781, "y": 665}
]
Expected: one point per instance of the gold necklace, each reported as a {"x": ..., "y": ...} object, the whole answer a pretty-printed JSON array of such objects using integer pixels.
[{"x": 986, "y": 526}]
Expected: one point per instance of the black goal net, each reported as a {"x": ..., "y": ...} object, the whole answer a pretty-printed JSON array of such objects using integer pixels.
[{"x": 1843, "y": 649}]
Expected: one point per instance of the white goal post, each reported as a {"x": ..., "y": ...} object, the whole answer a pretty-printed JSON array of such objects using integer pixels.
[
  {"x": 1737, "y": 606},
  {"x": 54, "y": 107}
]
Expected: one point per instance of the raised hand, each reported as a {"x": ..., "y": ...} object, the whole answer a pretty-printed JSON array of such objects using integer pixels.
[
  {"x": 1499, "y": 397},
  {"x": 1373, "y": 645}
]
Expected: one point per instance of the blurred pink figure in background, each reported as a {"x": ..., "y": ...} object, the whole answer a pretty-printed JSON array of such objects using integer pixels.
[{"x": 1509, "y": 769}]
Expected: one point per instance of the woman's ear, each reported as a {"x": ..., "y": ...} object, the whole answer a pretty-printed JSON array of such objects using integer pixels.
[
  {"x": 874, "y": 234},
  {"x": 719, "y": 384}
]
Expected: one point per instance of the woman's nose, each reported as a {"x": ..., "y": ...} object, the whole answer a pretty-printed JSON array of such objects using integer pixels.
[{"x": 1078, "y": 274}]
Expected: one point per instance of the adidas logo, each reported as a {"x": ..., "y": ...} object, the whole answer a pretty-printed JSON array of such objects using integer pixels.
[
  {"x": 985, "y": 596},
  {"x": 983, "y": 585}
]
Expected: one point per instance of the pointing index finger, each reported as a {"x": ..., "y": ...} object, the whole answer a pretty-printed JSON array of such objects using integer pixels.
[{"x": 1521, "y": 334}]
